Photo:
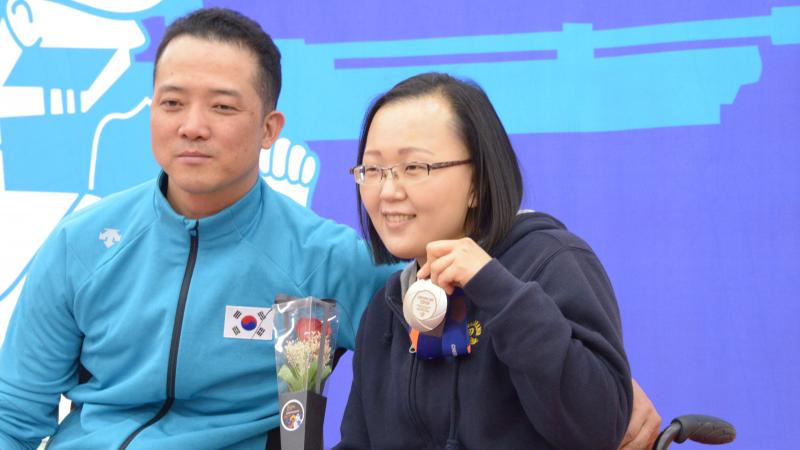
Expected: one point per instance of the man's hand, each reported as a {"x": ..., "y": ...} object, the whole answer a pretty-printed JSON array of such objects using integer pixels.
[
  {"x": 645, "y": 422},
  {"x": 451, "y": 264}
]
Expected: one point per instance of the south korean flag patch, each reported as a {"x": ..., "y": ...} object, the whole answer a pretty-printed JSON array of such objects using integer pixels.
[{"x": 244, "y": 322}]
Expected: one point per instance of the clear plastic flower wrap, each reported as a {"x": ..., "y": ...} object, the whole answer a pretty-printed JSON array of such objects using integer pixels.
[{"x": 306, "y": 330}]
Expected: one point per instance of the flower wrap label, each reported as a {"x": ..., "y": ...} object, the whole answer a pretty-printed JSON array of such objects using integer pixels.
[
  {"x": 302, "y": 416},
  {"x": 292, "y": 415}
]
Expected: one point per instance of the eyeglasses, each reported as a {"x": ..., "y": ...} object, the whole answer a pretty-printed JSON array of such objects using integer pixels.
[{"x": 409, "y": 172}]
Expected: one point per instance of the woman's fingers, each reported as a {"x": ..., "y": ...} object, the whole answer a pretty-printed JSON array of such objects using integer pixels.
[{"x": 453, "y": 263}]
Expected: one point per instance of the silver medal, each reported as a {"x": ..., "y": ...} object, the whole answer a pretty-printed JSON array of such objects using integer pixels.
[{"x": 424, "y": 305}]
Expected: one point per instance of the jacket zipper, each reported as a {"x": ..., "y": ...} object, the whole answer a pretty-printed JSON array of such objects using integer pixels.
[
  {"x": 413, "y": 414},
  {"x": 176, "y": 339},
  {"x": 412, "y": 402}
]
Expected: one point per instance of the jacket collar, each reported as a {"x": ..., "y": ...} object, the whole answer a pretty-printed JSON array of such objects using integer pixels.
[
  {"x": 232, "y": 222},
  {"x": 393, "y": 294}
]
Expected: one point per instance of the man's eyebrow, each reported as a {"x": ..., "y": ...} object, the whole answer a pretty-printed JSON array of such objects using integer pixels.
[
  {"x": 228, "y": 92},
  {"x": 167, "y": 88},
  {"x": 164, "y": 88}
]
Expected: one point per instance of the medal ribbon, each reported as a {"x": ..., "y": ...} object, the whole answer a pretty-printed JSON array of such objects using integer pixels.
[{"x": 448, "y": 339}]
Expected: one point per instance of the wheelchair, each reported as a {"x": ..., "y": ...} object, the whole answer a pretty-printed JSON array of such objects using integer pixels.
[{"x": 698, "y": 428}]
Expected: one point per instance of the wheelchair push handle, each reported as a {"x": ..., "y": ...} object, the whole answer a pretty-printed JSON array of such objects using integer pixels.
[{"x": 698, "y": 428}]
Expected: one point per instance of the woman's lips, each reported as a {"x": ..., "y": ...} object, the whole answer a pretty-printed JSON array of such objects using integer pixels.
[{"x": 396, "y": 220}]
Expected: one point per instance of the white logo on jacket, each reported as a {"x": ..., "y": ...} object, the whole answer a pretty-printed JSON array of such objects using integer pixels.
[{"x": 109, "y": 236}]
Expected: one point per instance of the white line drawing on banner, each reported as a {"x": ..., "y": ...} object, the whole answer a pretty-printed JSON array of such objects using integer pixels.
[
  {"x": 32, "y": 25},
  {"x": 51, "y": 25},
  {"x": 119, "y": 6},
  {"x": 99, "y": 130}
]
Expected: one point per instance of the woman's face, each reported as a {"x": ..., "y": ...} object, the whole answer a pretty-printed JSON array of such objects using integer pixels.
[{"x": 409, "y": 215}]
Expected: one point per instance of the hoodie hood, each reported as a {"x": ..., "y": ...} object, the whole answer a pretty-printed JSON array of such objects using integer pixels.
[{"x": 527, "y": 222}]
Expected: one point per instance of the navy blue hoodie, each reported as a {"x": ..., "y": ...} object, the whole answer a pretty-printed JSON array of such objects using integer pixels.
[{"x": 547, "y": 368}]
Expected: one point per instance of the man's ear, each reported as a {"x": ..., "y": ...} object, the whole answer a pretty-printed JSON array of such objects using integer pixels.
[{"x": 273, "y": 124}]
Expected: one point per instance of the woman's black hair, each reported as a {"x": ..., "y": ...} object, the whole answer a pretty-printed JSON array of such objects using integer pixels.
[{"x": 496, "y": 177}]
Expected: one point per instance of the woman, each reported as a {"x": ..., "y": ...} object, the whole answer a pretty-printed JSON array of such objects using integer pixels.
[{"x": 543, "y": 365}]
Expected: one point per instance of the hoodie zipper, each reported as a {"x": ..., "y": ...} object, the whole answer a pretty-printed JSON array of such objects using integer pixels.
[
  {"x": 412, "y": 402},
  {"x": 413, "y": 414},
  {"x": 176, "y": 338}
]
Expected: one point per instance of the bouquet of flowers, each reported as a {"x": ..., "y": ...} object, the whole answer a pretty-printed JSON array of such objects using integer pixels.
[
  {"x": 303, "y": 355},
  {"x": 306, "y": 330}
]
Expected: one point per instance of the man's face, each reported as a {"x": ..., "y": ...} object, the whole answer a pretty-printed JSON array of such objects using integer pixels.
[{"x": 208, "y": 123}]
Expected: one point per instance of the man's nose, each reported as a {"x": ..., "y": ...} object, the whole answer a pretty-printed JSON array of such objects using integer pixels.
[{"x": 195, "y": 124}]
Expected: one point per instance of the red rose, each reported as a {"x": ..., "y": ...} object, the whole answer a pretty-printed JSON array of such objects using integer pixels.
[{"x": 306, "y": 326}]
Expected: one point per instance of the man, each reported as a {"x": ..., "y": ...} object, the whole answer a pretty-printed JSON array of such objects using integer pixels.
[{"x": 146, "y": 308}]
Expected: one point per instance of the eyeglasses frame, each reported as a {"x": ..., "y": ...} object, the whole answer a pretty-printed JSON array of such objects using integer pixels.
[{"x": 431, "y": 167}]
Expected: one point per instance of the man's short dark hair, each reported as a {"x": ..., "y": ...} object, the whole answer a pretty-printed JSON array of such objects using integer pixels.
[
  {"x": 496, "y": 177},
  {"x": 225, "y": 25}
]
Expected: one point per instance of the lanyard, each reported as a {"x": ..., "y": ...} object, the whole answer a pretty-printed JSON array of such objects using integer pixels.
[{"x": 451, "y": 338}]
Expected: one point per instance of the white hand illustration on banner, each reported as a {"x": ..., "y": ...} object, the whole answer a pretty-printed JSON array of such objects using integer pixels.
[{"x": 290, "y": 169}]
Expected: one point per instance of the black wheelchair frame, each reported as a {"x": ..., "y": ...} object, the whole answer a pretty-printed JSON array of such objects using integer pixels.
[{"x": 698, "y": 428}]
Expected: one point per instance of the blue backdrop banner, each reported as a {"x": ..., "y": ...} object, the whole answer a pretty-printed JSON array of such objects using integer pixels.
[{"x": 664, "y": 133}]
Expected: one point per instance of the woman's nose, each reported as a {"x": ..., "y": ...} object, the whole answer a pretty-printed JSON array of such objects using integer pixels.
[{"x": 391, "y": 189}]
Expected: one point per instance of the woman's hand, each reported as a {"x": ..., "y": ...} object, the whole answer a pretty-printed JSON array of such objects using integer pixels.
[{"x": 452, "y": 263}]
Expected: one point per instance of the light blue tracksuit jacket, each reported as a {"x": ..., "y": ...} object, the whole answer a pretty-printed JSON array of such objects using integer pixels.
[{"x": 145, "y": 316}]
